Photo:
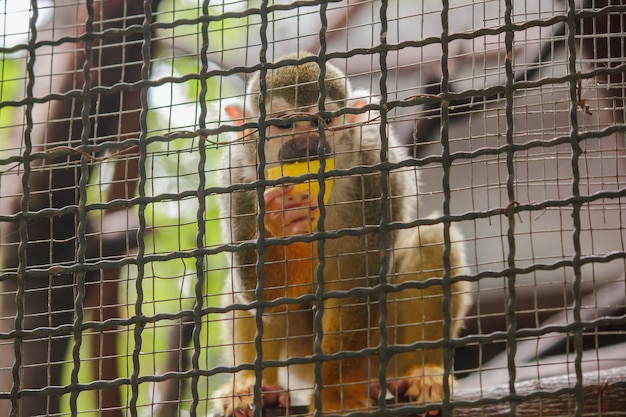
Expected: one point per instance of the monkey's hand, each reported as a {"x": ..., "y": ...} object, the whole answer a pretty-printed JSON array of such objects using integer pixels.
[
  {"x": 237, "y": 398},
  {"x": 424, "y": 386},
  {"x": 289, "y": 212}
]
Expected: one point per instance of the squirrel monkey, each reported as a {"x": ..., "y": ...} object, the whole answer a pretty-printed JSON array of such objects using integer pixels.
[{"x": 352, "y": 260}]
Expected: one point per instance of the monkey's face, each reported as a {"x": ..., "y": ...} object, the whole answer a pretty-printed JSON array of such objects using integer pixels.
[
  {"x": 293, "y": 148},
  {"x": 299, "y": 140}
]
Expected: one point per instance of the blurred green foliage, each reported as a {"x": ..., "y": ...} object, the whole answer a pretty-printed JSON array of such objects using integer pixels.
[{"x": 172, "y": 225}]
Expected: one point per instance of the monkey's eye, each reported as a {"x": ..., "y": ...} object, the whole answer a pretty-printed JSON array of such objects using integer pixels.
[{"x": 327, "y": 121}]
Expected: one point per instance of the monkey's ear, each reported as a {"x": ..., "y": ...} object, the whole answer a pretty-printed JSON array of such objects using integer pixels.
[
  {"x": 360, "y": 117},
  {"x": 234, "y": 111},
  {"x": 360, "y": 98}
]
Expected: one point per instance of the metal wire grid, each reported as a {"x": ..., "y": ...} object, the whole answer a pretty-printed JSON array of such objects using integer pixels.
[{"x": 589, "y": 193}]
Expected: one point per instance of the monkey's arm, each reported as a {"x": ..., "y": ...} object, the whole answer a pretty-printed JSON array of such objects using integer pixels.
[
  {"x": 417, "y": 314},
  {"x": 287, "y": 269},
  {"x": 287, "y": 272}
]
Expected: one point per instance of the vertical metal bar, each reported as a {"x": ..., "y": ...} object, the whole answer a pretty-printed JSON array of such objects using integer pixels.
[
  {"x": 79, "y": 276},
  {"x": 22, "y": 273},
  {"x": 446, "y": 162},
  {"x": 576, "y": 206},
  {"x": 141, "y": 189},
  {"x": 260, "y": 225},
  {"x": 200, "y": 217},
  {"x": 383, "y": 347},
  {"x": 318, "y": 329},
  {"x": 511, "y": 318}
]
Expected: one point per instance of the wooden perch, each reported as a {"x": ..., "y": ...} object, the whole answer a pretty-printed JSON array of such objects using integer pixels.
[{"x": 603, "y": 393}]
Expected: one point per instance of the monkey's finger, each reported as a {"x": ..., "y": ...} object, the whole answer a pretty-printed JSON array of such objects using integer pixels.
[
  {"x": 295, "y": 217},
  {"x": 242, "y": 412},
  {"x": 274, "y": 396},
  {"x": 374, "y": 390},
  {"x": 270, "y": 395},
  {"x": 297, "y": 221},
  {"x": 273, "y": 196},
  {"x": 236, "y": 409},
  {"x": 283, "y": 224},
  {"x": 398, "y": 388},
  {"x": 283, "y": 400},
  {"x": 295, "y": 214}
]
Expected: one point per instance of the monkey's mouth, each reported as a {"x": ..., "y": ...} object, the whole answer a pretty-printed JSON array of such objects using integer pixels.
[{"x": 302, "y": 148}]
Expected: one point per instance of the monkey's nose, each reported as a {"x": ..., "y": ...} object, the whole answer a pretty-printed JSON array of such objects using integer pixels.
[{"x": 302, "y": 148}]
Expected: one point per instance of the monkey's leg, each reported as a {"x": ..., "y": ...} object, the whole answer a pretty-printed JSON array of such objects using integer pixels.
[
  {"x": 417, "y": 315},
  {"x": 345, "y": 382},
  {"x": 237, "y": 396}
]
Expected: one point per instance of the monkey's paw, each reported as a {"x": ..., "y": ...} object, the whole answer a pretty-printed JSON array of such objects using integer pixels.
[
  {"x": 289, "y": 212},
  {"x": 425, "y": 386},
  {"x": 237, "y": 399}
]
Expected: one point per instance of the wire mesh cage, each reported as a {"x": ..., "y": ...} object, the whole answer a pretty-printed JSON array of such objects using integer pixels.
[{"x": 312, "y": 207}]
